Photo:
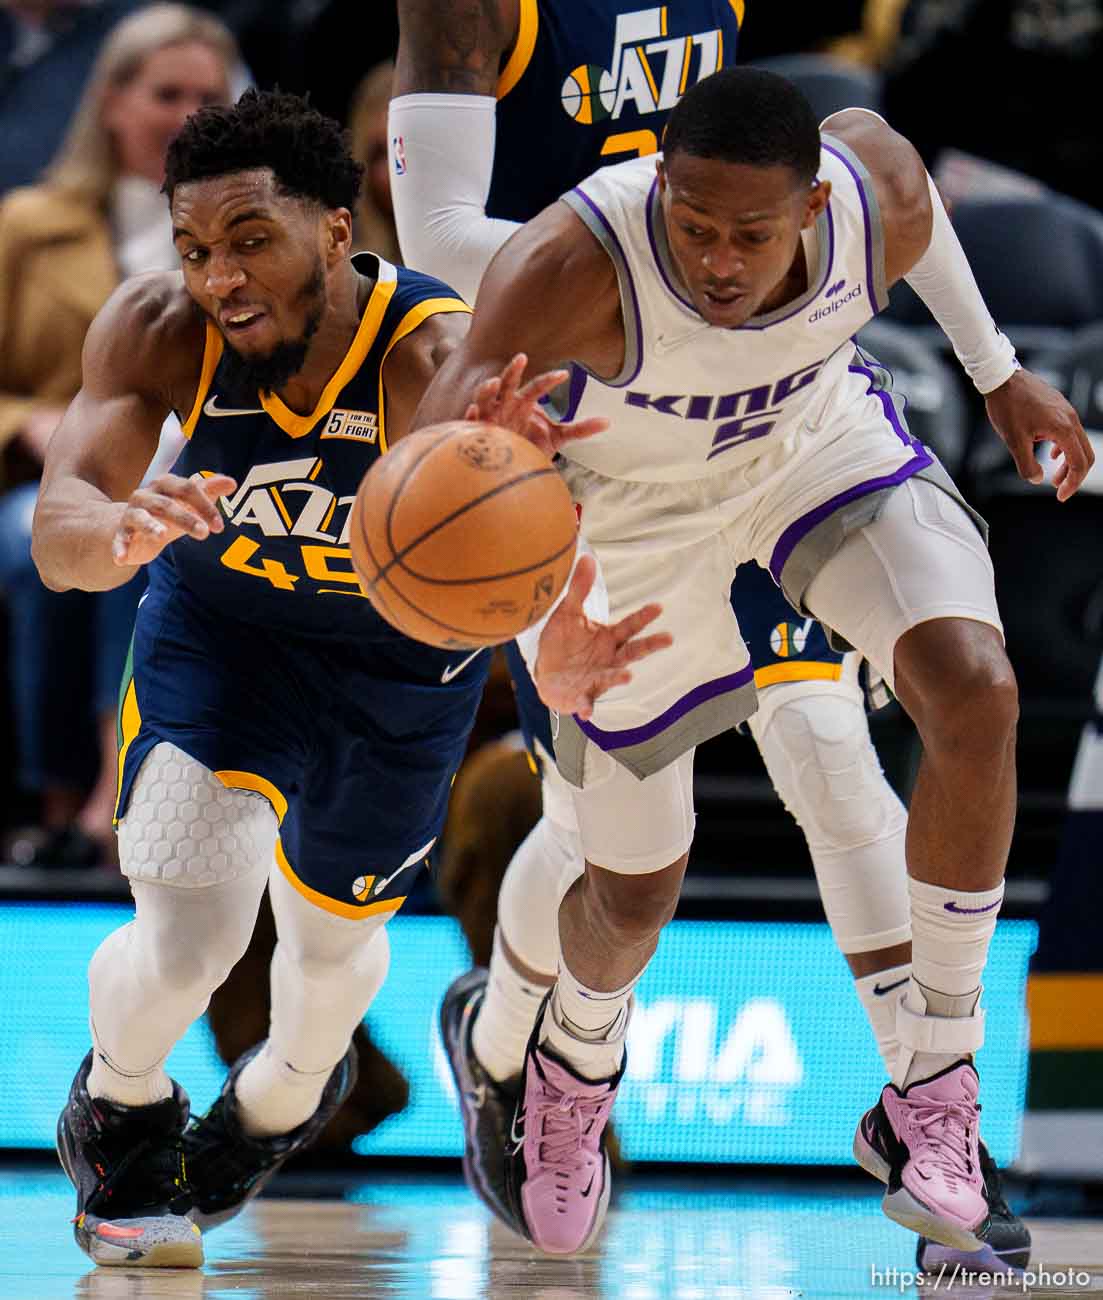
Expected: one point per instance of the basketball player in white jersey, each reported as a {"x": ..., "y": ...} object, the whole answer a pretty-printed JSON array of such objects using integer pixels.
[
  {"x": 709, "y": 304},
  {"x": 460, "y": 132}
]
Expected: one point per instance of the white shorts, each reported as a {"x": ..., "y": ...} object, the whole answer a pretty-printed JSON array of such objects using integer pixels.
[
  {"x": 922, "y": 557},
  {"x": 680, "y": 544}
]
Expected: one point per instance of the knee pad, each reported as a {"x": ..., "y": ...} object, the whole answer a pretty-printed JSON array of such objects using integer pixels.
[
  {"x": 815, "y": 742},
  {"x": 183, "y": 827},
  {"x": 540, "y": 873}
]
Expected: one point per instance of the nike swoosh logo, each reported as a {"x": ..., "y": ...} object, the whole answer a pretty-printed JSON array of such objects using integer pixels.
[
  {"x": 211, "y": 407},
  {"x": 589, "y": 1187},
  {"x": 518, "y": 1139},
  {"x": 971, "y": 911},
  {"x": 454, "y": 670},
  {"x": 668, "y": 343},
  {"x": 880, "y": 992}
]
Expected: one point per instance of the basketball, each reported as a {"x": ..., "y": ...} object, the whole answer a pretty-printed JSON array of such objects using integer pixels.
[{"x": 463, "y": 535}]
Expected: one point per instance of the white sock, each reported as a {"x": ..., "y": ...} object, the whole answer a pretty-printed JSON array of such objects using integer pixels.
[
  {"x": 506, "y": 1017},
  {"x": 273, "y": 1097},
  {"x": 880, "y": 1008},
  {"x": 951, "y": 933},
  {"x": 105, "y": 1079},
  {"x": 587, "y": 1027}
]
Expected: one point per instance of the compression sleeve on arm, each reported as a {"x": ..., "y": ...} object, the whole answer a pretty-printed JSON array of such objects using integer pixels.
[
  {"x": 944, "y": 280},
  {"x": 441, "y": 151}
]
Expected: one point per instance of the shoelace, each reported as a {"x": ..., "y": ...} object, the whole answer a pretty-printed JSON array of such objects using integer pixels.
[
  {"x": 953, "y": 1123},
  {"x": 167, "y": 1165},
  {"x": 562, "y": 1122}
]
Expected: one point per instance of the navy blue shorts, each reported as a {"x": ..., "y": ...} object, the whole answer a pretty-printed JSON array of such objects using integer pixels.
[
  {"x": 784, "y": 648},
  {"x": 355, "y": 745}
]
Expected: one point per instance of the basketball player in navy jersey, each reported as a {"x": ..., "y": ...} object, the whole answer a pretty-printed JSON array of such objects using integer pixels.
[
  {"x": 709, "y": 303},
  {"x": 270, "y": 718},
  {"x": 593, "y": 81}
]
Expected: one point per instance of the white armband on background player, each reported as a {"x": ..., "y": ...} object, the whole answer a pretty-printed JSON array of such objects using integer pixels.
[
  {"x": 944, "y": 280},
  {"x": 441, "y": 150}
]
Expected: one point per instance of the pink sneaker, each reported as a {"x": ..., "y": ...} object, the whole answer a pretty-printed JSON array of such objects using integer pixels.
[
  {"x": 557, "y": 1171},
  {"x": 924, "y": 1143}
]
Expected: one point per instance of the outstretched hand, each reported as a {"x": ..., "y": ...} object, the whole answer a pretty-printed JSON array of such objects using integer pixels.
[
  {"x": 504, "y": 401},
  {"x": 578, "y": 659},
  {"x": 167, "y": 508},
  {"x": 1026, "y": 410}
]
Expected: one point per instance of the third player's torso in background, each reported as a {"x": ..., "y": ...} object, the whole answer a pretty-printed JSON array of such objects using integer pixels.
[
  {"x": 283, "y": 560},
  {"x": 591, "y": 82}
]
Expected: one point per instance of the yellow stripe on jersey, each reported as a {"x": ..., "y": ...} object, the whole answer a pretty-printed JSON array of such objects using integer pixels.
[
  {"x": 719, "y": 49},
  {"x": 518, "y": 61},
  {"x": 348, "y": 910},
  {"x": 641, "y": 54},
  {"x": 686, "y": 56},
  {"x": 416, "y": 316},
  {"x": 738, "y": 8},
  {"x": 662, "y": 21},
  {"x": 130, "y": 723},
  {"x": 212, "y": 354},
  {"x": 297, "y": 426},
  {"x": 259, "y": 785},
  {"x": 797, "y": 671}
]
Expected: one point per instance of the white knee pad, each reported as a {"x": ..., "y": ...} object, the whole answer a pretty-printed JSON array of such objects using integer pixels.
[
  {"x": 539, "y": 874},
  {"x": 183, "y": 827},
  {"x": 814, "y": 739}
]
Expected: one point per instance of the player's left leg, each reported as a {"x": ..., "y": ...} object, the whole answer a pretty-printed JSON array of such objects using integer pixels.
[
  {"x": 913, "y": 590},
  {"x": 326, "y": 971}
]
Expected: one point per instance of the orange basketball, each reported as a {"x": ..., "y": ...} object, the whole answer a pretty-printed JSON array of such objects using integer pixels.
[{"x": 462, "y": 535}]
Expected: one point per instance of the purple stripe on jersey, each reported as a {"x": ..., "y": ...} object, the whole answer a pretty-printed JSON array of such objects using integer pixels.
[
  {"x": 620, "y": 383},
  {"x": 653, "y": 214},
  {"x": 888, "y": 405},
  {"x": 574, "y": 393},
  {"x": 867, "y": 222},
  {"x": 801, "y": 527},
  {"x": 699, "y": 695}
]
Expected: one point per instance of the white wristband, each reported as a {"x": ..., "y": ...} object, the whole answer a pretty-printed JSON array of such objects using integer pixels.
[
  {"x": 944, "y": 280},
  {"x": 441, "y": 150}
]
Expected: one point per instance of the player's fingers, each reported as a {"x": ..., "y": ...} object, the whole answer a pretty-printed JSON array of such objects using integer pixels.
[
  {"x": 643, "y": 646},
  {"x": 541, "y": 385},
  {"x": 194, "y": 494},
  {"x": 510, "y": 377},
  {"x": 135, "y": 523},
  {"x": 217, "y": 485},
  {"x": 167, "y": 510},
  {"x": 1079, "y": 458},
  {"x": 581, "y": 581},
  {"x": 472, "y": 412},
  {"x": 580, "y": 429},
  {"x": 1022, "y": 453},
  {"x": 627, "y": 627}
]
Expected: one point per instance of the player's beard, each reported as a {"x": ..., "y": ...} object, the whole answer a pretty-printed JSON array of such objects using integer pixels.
[{"x": 269, "y": 373}]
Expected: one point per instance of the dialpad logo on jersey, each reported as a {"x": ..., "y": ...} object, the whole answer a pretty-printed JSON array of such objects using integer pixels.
[
  {"x": 838, "y": 300},
  {"x": 358, "y": 426},
  {"x": 649, "y": 70},
  {"x": 745, "y": 1070},
  {"x": 748, "y": 414}
]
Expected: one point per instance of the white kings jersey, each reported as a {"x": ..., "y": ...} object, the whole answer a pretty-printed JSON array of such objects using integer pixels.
[{"x": 693, "y": 400}]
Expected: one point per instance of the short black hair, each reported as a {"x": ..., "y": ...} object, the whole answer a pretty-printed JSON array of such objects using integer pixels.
[
  {"x": 307, "y": 152},
  {"x": 746, "y": 115}
]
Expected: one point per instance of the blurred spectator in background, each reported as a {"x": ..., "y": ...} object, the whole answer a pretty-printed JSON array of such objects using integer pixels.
[
  {"x": 97, "y": 216},
  {"x": 47, "y": 49},
  {"x": 374, "y": 228},
  {"x": 315, "y": 47},
  {"x": 1011, "y": 81}
]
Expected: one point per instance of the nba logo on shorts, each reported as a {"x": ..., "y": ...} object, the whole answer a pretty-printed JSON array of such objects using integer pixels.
[{"x": 399, "y": 156}]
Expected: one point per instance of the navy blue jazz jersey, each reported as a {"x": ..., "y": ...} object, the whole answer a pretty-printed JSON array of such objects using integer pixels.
[
  {"x": 591, "y": 82},
  {"x": 256, "y": 652}
]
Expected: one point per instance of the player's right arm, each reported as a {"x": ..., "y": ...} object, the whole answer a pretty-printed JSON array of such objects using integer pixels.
[
  {"x": 443, "y": 112},
  {"x": 551, "y": 294},
  {"x": 94, "y": 525}
]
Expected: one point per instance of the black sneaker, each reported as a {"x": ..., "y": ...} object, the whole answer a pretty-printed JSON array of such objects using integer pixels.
[
  {"x": 226, "y": 1167},
  {"x": 1006, "y": 1243},
  {"x": 127, "y": 1165},
  {"x": 486, "y": 1105}
]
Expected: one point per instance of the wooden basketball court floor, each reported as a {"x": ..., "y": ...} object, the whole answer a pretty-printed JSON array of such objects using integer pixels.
[{"x": 427, "y": 1238}]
